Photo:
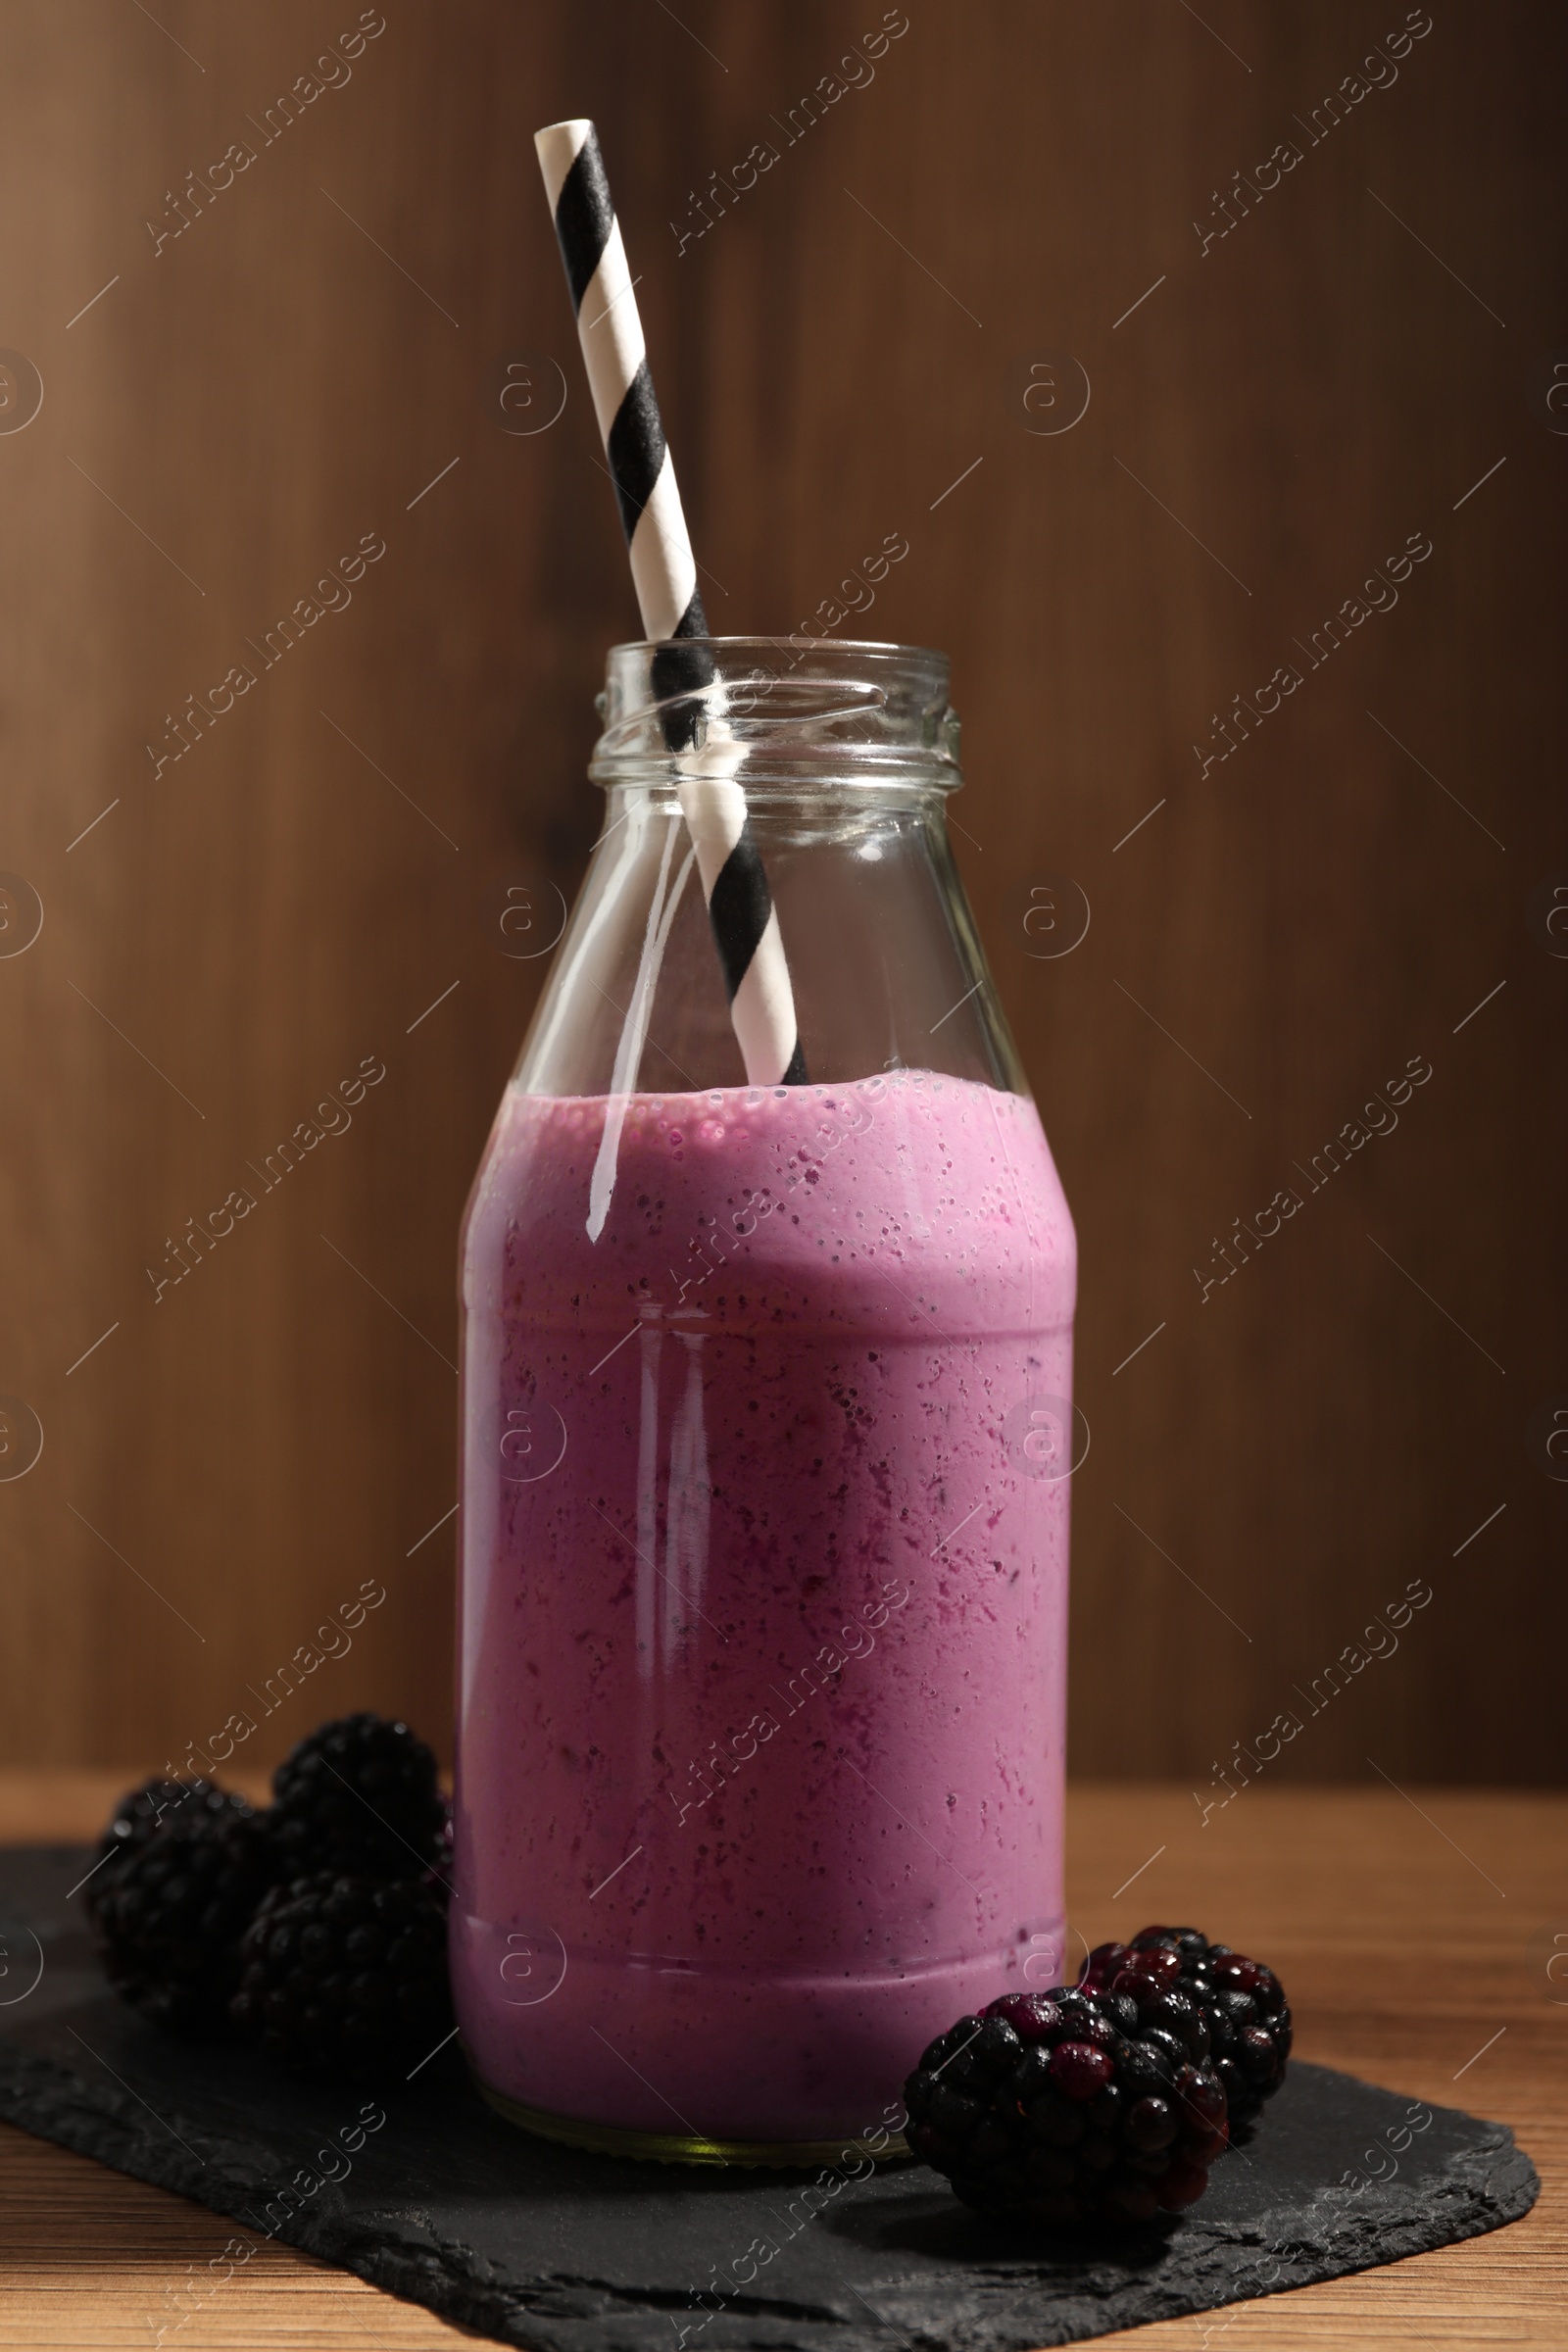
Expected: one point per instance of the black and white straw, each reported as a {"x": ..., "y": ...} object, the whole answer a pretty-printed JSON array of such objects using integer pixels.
[{"x": 739, "y": 906}]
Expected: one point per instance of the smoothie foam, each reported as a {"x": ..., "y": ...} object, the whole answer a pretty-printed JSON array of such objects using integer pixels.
[{"x": 764, "y": 1598}]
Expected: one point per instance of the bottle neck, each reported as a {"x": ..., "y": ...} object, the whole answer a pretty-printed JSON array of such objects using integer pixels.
[
  {"x": 825, "y": 805},
  {"x": 774, "y": 837}
]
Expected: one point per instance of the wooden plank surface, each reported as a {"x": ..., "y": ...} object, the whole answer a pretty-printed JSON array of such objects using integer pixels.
[{"x": 1412, "y": 1931}]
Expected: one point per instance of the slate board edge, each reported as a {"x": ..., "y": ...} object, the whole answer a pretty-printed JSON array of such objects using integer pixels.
[{"x": 46, "y": 2100}]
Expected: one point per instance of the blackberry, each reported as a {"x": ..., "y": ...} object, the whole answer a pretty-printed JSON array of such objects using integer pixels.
[
  {"x": 358, "y": 1796},
  {"x": 169, "y": 1921},
  {"x": 346, "y": 1974},
  {"x": 1062, "y": 2107},
  {"x": 1242, "y": 2003},
  {"x": 145, "y": 1813}
]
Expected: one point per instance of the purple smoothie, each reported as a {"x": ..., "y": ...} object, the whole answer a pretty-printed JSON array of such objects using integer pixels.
[{"x": 763, "y": 1631}]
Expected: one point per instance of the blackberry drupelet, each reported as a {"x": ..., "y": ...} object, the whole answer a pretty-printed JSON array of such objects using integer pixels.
[
  {"x": 1067, "y": 2108},
  {"x": 359, "y": 1796},
  {"x": 169, "y": 1921},
  {"x": 1242, "y": 2003},
  {"x": 346, "y": 1974}
]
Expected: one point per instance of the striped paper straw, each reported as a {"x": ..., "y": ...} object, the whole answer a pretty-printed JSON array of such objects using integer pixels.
[{"x": 740, "y": 905}]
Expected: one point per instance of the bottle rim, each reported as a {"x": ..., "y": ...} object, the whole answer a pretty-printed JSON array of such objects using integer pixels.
[
  {"x": 825, "y": 645},
  {"x": 776, "y": 712}
]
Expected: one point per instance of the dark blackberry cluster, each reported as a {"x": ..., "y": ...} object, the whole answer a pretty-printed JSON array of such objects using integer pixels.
[
  {"x": 359, "y": 1796},
  {"x": 169, "y": 1921},
  {"x": 145, "y": 1813},
  {"x": 335, "y": 1893},
  {"x": 1242, "y": 2003},
  {"x": 1068, "y": 2108},
  {"x": 346, "y": 1972}
]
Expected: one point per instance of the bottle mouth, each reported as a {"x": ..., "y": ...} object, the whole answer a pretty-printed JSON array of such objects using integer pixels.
[{"x": 782, "y": 709}]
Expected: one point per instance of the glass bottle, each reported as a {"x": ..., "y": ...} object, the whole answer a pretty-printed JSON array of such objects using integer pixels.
[{"x": 766, "y": 1427}]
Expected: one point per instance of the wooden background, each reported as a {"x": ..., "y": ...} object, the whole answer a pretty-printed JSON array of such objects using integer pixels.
[{"x": 227, "y": 938}]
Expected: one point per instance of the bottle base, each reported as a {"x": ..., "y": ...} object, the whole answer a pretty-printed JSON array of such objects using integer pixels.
[{"x": 676, "y": 2147}]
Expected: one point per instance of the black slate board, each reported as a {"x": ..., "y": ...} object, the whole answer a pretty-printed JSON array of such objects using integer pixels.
[{"x": 444, "y": 2203}]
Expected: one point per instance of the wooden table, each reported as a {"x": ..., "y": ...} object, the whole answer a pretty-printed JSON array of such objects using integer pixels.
[{"x": 1414, "y": 1932}]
